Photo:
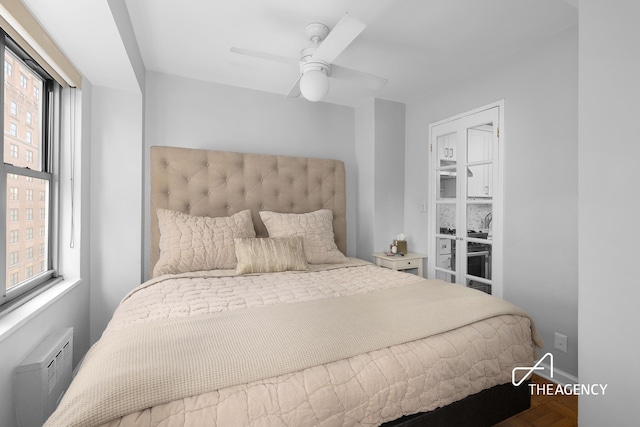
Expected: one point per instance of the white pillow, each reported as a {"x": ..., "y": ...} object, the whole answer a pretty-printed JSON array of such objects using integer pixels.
[
  {"x": 195, "y": 243},
  {"x": 316, "y": 229}
]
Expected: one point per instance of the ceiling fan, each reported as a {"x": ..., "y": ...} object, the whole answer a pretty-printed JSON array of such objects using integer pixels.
[{"x": 316, "y": 59}]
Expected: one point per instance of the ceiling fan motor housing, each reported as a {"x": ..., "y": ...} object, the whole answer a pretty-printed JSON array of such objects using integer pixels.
[
  {"x": 315, "y": 65},
  {"x": 308, "y": 62}
]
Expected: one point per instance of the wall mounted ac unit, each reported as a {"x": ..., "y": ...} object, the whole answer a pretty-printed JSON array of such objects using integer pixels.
[{"x": 43, "y": 377}]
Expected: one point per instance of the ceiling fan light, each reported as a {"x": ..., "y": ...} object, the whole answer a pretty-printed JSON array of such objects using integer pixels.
[{"x": 314, "y": 85}]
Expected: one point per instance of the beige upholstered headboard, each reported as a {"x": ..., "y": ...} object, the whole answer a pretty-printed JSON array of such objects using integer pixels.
[{"x": 220, "y": 183}]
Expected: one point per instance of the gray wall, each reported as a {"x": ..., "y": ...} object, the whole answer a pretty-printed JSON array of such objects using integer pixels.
[
  {"x": 379, "y": 142},
  {"x": 390, "y": 122},
  {"x": 365, "y": 153},
  {"x": 184, "y": 112},
  {"x": 116, "y": 201},
  {"x": 609, "y": 152},
  {"x": 540, "y": 132}
]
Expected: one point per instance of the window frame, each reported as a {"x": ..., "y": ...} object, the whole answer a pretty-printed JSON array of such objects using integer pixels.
[{"x": 15, "y": 295}]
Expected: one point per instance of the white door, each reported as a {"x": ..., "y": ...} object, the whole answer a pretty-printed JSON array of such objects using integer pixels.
[{"x": 465, "y": 210}]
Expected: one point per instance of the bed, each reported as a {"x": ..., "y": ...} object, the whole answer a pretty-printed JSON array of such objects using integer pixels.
[{"x": 277, "y": 326}]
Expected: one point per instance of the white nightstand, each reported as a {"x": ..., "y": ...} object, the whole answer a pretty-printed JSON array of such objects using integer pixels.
[{"x": 397, "y": 262}]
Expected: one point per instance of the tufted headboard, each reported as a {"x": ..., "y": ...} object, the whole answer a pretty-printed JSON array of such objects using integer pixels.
[{"x": 221, "y": 183}]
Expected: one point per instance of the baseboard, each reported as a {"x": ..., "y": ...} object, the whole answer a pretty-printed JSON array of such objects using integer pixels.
[{"x": 559, "y": 376}]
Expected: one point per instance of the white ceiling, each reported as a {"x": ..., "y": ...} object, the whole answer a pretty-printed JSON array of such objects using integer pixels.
[{"x": 418, "y": 45}]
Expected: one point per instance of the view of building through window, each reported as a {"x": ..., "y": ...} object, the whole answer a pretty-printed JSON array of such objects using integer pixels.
[{"x": 26, "y": 243}]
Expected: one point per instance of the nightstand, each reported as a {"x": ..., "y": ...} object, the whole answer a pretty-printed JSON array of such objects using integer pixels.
[{"x": 399, "y": 263}]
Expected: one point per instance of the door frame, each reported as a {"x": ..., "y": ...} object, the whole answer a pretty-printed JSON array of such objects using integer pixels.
[{"x": 498, "y": 197}]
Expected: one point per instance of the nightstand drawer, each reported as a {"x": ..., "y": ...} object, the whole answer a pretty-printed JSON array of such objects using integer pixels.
[{"x": 403, "y": 264}]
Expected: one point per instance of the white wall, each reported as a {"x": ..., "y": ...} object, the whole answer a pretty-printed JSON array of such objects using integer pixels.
[
  {"x": 116, "y": 201},
  {"x": 184, "y": 112},
  {"x": 609, "y": 153},
  {"x": 539, "y": 87},
  {"x": 122, "y": 20}
]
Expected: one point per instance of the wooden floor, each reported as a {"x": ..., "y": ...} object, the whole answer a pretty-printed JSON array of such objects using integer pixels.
[{"x": 546, "y": 411}]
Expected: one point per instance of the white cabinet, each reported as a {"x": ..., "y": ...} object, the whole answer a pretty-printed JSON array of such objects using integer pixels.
[
  {"x": 444, "y": 253},
  {"x": 479, "y": 176},
  {"x": 447, "y": 148}
]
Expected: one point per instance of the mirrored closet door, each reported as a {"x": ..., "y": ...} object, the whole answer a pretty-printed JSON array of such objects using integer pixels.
[{"x": 465, "y": 207}]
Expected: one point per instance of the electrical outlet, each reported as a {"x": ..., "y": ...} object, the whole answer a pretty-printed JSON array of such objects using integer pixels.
[
  {"x": 560, "y": 342},
  {"x": 423, "y": 206}
]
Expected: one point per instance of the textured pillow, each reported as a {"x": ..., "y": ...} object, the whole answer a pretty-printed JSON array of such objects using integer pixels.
[
  {"x": 194, "y": 243},
  {"x": 316, "y": 229},
  {"x": 269, "y": 255}
]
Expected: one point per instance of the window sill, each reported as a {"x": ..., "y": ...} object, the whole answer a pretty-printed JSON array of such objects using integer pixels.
[{"x": 12, "y": 321}]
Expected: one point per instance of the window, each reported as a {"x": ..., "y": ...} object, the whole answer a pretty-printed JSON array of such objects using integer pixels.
[{"x": 32, "y": 105}]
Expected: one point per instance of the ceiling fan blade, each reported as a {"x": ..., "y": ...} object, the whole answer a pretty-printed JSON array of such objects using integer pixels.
[
  {"x": 264, "y": 55},
  {"x": 359, "y": 77},
  {"x": 294, "y": 91},
  {"x": 345, "y": 31}
]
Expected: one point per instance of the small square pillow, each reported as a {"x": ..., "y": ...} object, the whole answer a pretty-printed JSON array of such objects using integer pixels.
[
  {"x": 268, "y": 255},
  {"x": 316, "y": 229},
  {"x": 199, "y": 243}
]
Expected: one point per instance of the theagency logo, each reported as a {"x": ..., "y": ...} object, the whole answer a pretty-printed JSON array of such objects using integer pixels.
[
  {"x": 552, "y": 388},
  {"x": 530, "y": 369}
]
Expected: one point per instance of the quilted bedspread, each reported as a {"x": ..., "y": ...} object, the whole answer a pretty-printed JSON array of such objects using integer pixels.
[{"x": 412, "y": 375}]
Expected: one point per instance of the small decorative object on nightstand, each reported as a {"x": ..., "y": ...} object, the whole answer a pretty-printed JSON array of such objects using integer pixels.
[
  {"x": 400, "y": 243},
  {"x": 398, "y": 262}
]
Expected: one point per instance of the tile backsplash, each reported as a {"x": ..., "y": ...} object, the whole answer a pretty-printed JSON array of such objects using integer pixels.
[{"x": 476, "y": 214}]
